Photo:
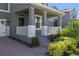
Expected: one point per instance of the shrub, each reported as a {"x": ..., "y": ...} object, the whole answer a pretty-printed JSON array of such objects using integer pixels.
[
  {"x": 72, "y": 30},
  {"x": 72, "y": 54},
  {"x": 53, "y": 37},
  {"x": 67, "y": 39},
  {"x": 77, "y": 51},
  {"x": 74, "y": 23},
  {"x": 62, "y": 46},
  {"x": 35, "y": 42},
  {"x": 67, "y": 32},
  {"x": 69, "y": 52},
  {"x": 56, "y": 22},
  {"x": 56, "y": 49}
]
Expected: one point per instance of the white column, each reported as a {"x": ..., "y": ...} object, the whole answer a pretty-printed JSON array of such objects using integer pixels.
[
  {"x": 60, "y": 23},
  {"x": 44, "y": 29},
  {"x": 31, "y": 24}
]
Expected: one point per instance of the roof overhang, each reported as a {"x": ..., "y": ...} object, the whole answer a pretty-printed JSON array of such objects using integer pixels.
[
  {"x": 48, "y": 9},
  {"x": 68, "y": 10}
]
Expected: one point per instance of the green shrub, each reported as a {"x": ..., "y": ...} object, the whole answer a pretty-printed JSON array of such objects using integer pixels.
[
  {"x": 62, "y": 46},
  {"x": 56, "y": 49},
  {"x": 68, "y": 32},
  {"x": 72, "y": 30},
  {"x": 53, "y": 37},
  {"x": 69, "y": 52},
  {"x": 74, "y": 23},
  {"x": 56, "y": 22},
  {"x": 72, "y": 54},
  {"x": 67, "y": 39},
  {"x": 35, "y": 42},
  {"x": 77, "y": 51}
]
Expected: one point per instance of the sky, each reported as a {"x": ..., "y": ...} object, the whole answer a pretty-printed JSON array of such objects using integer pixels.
[{"x": 61, "y": 6}]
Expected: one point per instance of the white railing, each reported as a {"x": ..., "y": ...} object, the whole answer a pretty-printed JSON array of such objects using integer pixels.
[
  {"x": 53, "y": 30},
  {"x": 22, "y": 30}
]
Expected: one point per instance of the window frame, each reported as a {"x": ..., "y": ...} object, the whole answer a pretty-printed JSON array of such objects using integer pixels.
[{"x": 40, "y": 21}]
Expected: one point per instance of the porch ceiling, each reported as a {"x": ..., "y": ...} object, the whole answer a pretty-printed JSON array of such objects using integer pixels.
[
  {"x": 41, "y": 12},
  {"x": 51, "y": 11},
  {"x": 37, "y": 11}
]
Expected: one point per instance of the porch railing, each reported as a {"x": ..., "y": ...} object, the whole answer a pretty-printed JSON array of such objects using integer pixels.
[
  {"x": 22, "y": 30},
  {"x": 53, "y": 30}
]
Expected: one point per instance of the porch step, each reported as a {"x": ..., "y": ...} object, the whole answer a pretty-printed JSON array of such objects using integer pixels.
[{"x": 44, "y": 41}]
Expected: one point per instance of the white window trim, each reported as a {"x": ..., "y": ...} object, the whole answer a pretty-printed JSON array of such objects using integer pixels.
[
  {"x": 40, "y": 22},
  {"x": 6, "y": 10}
]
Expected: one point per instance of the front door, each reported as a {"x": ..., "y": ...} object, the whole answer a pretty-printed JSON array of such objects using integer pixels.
[
  {"x": 38, "y": 22},
  {"x": 2, "y": 27}
]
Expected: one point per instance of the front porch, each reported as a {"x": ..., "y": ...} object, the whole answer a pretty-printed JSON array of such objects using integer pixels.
[{"x": 33, "y": 22}]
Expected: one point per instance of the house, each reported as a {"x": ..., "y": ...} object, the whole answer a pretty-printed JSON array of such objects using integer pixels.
[
  {"x": 26, "y": 20},
  {"x": 70, "y": 14}
]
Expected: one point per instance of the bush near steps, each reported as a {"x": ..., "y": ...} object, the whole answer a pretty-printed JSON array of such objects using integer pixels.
[{"x": 64, "y": 46}]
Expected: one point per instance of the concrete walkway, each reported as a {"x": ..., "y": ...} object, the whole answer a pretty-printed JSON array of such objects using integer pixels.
[{"x": 10, "y": 47}]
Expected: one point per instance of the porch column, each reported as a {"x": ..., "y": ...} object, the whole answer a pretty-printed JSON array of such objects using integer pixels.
[
  {"x": 44, "y": 24},
  {"x": 31, "y": 23},
  {"x": 60, "y": 23}
]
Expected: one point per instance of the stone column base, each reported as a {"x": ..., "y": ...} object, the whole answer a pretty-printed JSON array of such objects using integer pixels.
[
  {"x": 44, "y": 30},
  {"x": 31, "y": 31}
]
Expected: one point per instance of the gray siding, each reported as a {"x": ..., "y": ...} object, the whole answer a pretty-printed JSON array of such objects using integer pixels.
[
  {"x": 19, "y": 7},
  {"x": 26, "y": 21},
  {"x": 14, "y": 23},
  {"x": 4, "y": 6},
  {"x": 65, "y": 19},
  {"x": 4, "y": 15}
]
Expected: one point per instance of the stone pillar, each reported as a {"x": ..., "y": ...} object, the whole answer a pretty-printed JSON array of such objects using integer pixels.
[
  {"x": 31, "y": 23},
  {"x": 44, "y": 29}
]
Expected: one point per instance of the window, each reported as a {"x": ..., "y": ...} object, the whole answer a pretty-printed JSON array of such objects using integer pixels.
[
  {"x": 2, "y": 22},
  {"x": 38, "y": 21},
  {"x": 8, "y": 23},
  {"x": 21, "y": 21}
]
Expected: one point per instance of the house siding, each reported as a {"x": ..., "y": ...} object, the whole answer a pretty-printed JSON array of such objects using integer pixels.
[
  {"x": 66, "y": 19},
  {"x": 69, "y": 15},
  {"x": 18, "y": 7},
  {"x": 3, "y": 6},
  {"x": 13, "y": 25},
  {"x": 4, "y": 15},
  {"x": 29, "y": 21}
]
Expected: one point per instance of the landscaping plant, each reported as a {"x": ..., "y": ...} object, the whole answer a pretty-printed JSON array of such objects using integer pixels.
[
  {"x": 68, "y": 42},
  {"x": 62, "y": 47},
  {"x": 35, "y": 42}
]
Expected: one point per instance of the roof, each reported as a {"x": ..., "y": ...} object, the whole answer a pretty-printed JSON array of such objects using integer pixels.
[
  {"x": 68, "y": 10},
  {"x": 46, "y": 8}
]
